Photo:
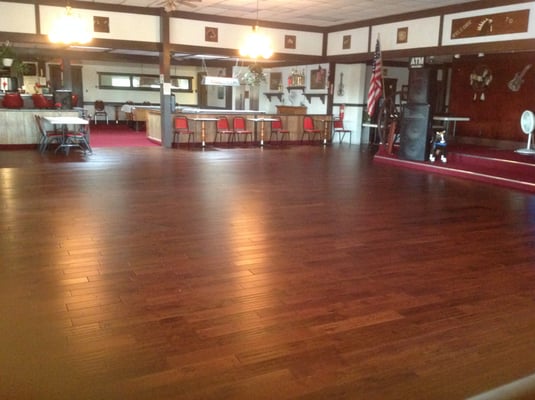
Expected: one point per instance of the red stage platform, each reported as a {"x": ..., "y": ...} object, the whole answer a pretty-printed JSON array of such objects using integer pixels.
[{"x": 493, "y": 165}]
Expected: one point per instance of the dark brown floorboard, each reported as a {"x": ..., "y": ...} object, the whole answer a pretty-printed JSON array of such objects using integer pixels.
[{"x": 283, "y": 273}]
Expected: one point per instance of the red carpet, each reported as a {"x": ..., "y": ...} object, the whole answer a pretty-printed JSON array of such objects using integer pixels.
[
  {"x": 118, "y": 135},
  {"x": 480, "y": 163}
]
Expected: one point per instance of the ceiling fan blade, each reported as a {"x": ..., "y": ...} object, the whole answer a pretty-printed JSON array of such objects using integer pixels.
[
  {"x": 172, "y": 5},
  {"x": 188, "y": 2}
]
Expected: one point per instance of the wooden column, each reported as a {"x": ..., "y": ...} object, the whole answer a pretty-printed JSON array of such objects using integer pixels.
[{"x": 165, "y": 96}]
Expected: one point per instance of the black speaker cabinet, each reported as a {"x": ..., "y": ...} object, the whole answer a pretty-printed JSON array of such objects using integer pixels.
[
  {"x": 63, "y": 97},
  {"x": 414, "y": 132},
  {"x": 422, "y": 85}
]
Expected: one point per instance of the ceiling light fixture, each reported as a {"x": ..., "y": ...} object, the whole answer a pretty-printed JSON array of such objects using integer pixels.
[
  {"x": 256, "y": 44},
  {"x": 70, "y": 28}
]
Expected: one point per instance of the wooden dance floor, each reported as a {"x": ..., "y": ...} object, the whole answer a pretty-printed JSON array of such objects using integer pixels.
[{"x": 303, "y": 272}]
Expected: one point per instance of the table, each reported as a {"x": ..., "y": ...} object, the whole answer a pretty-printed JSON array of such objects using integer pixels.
[
  {"x": 262, "y": 120},
  {"x": 447, "y": 119},
  {"x": 64, "y": 122},
  {"x": 375, "y": 128},
  {"x": 203, "y": 121}
]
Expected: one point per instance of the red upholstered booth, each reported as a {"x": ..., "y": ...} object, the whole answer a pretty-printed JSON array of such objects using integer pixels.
[{"x": 12, "y": 100}]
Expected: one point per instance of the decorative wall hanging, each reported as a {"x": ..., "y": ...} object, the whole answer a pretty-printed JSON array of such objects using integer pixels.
[
  {"x": 403, "y": 35},
  {"x": 346, "y": 42},
  {"x": 275, "y": 81},
  {"x": 517, "y": 81},
  {"x": 491, "y": 24},
  {"x": 480, "y": 79},
  {"x": 289, "y": 41},
  {"x": 318, "y": 78},
  {"x": 210, "y": 34},
  {"x": 101, "y": 24}
]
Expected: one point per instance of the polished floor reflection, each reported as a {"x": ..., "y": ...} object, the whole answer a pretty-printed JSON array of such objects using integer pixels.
[{"x": 278, "y": 273}]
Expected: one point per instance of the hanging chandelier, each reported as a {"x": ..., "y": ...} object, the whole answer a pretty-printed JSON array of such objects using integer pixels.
[
  {"x": 256, "y": 44},
  {"x": 70, "y": 28}
]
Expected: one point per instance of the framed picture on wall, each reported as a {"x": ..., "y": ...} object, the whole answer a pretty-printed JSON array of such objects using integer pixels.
[
  {"x": 346, "y": 42},
  {"x": 403, "y": 35},
  {"x": 318, "y": 78},
  {"x": 101, "y": 24},
  {"x": 210, "y": 34},
  {"x": 289, "y": 41},
  {"x": 275, "y": 81}
]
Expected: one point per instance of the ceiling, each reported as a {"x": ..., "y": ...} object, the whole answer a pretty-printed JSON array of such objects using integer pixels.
[
  {"x": 313, "y": 13},
  {"x": 320, "y": 13}
]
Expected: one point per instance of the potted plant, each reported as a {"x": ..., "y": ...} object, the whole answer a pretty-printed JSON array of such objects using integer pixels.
[{"x": 7, "y": 53}]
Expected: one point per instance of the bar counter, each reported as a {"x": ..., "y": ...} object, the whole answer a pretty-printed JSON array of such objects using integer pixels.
[{"x": 294, "y": 123}]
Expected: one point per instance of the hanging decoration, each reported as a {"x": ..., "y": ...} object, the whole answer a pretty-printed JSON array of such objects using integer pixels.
[
  {"x": 480, "y": 79},
  {"x": 254, "y": 76}
]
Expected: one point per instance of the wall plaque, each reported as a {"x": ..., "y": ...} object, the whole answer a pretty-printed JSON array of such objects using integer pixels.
[
  {"x": 211, "y": 34},
  {"x": 490, "y": 24}
]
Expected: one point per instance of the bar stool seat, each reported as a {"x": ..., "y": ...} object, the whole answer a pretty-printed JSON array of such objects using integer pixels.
[
  {"x": 278, "y": 129},
  {"x": 181, "y": 127}
]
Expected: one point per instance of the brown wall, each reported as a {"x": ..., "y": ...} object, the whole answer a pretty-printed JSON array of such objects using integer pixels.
[{"x": 498, "y": 115}]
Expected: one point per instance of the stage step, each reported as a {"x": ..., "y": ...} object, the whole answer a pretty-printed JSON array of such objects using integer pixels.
[{"x": 499, "y": 167}]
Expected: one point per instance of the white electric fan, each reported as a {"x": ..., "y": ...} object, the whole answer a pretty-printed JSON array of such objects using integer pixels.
[{"x": 527, "y": 123}]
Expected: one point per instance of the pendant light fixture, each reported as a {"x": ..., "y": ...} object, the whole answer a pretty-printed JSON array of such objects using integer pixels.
[
  {"x": 256, "y": 44},
  {"x": 70, "y": 28}
]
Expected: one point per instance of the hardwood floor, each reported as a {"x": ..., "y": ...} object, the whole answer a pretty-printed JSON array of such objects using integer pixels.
[{"x": 285, "y": 273}]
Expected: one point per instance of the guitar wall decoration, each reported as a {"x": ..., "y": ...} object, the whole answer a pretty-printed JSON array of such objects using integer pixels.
[{"x": 515, "y": 83}]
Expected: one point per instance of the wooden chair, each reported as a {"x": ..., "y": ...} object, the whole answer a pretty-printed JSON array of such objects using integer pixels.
[
  {"x": 338, "y": 128},
  {"x": 100, "y": 111},
  {"x": 278, "y": 129},
  {"x": 181, "y": 127},
  {"x": 309, "y": 128},
  {"x": 238, "y": 124},
  {"x": 223, "y": 128}
]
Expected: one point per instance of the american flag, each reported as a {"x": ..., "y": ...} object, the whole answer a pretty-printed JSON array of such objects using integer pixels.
[{"x": 376, "y": 81}]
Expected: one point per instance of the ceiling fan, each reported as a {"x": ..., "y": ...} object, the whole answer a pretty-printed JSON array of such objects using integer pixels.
[{"x": 172, "y": 5}]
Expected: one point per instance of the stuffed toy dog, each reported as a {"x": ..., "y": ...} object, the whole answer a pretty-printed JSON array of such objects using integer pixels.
[{"x": 439, "y": 148}]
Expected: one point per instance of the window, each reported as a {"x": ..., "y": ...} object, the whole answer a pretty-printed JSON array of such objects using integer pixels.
[{"x": 110, "y": 80}]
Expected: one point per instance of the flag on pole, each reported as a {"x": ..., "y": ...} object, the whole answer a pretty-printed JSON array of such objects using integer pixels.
[{"x": 376, "y": 81}]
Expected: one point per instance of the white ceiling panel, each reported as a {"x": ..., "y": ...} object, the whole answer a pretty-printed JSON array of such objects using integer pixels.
[{"x": 320, "y": 13}]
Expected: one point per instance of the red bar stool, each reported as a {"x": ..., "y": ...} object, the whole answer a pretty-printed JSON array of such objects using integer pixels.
[{"x": 12, "y": 100}]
